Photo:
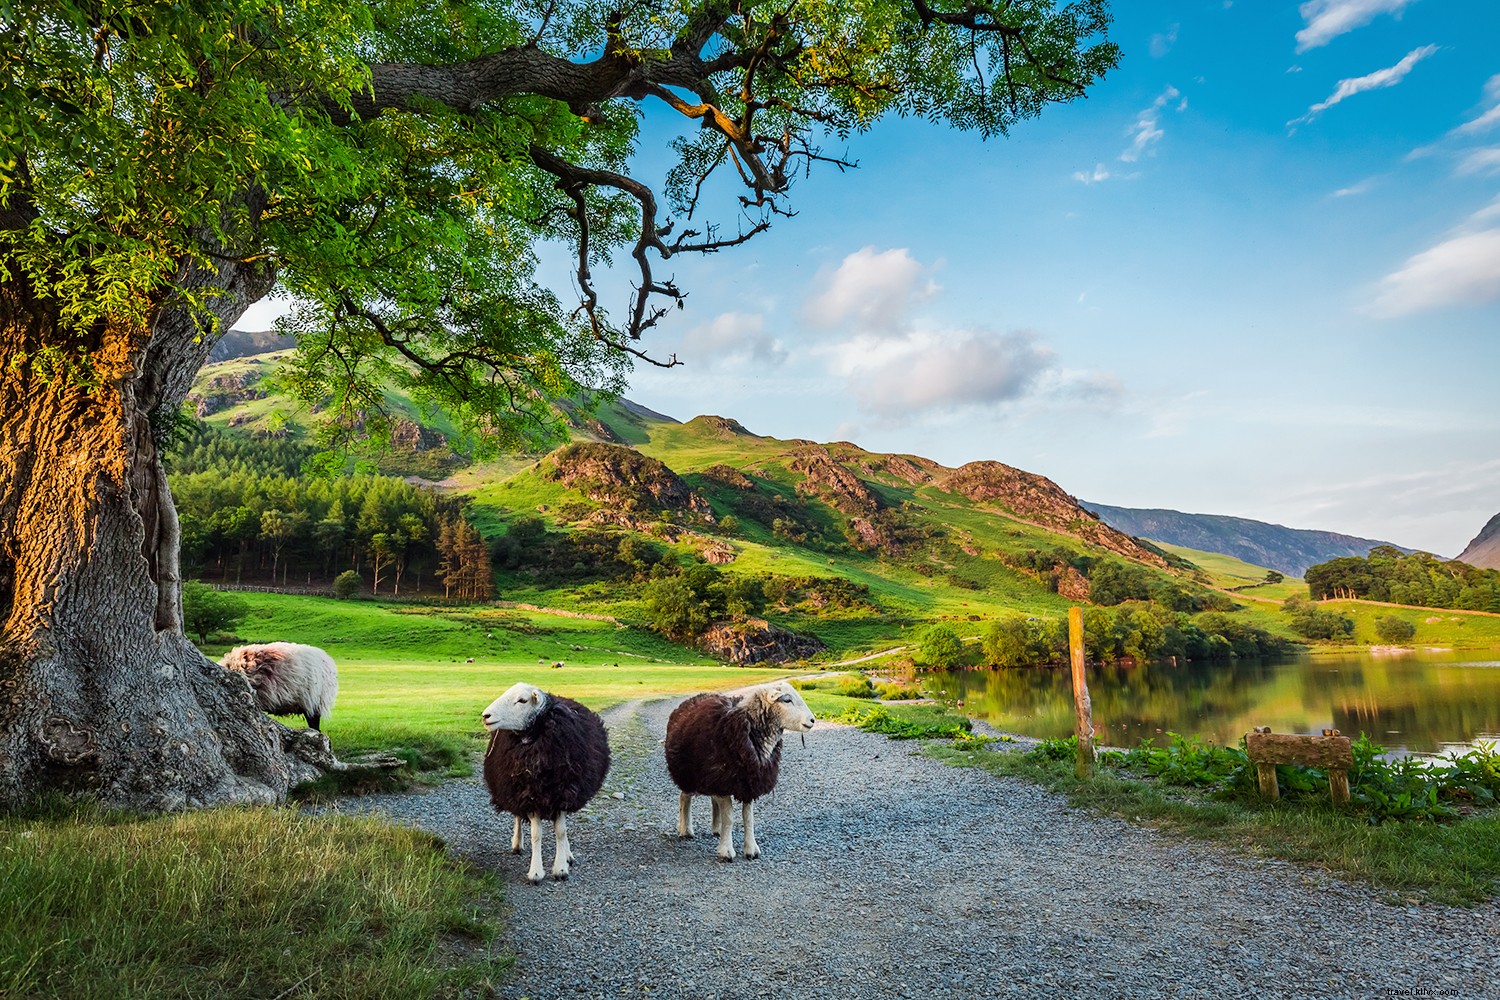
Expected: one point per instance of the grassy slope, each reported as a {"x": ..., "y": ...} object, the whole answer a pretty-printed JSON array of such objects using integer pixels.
[
  {"x": 1228, "y": 573},
  {"x": 404, "y": 676}
]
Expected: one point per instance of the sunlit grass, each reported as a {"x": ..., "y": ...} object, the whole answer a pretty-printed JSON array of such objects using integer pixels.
[{"x": 232, "y": 903}]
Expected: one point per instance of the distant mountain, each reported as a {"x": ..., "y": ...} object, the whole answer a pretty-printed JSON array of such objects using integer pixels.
[
  {"x": 1287, "y": 550},
  {"x": 1484, "y": 550},
  {"x": 244, "y": 343}
]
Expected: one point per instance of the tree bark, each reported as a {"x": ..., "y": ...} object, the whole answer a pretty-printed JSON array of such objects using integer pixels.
[{"x": 101, "y": 694}]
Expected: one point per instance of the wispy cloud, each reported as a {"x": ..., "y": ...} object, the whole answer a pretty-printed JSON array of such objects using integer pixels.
[
  {"x": 1480, "y": 161},
  {"x": 1388, "y": 77},
  {"x": 1326, "y": 20},
  {"x": 1463, "y": 269},
  {"x": 1147, "y": 130},
  {"x": 733, "y": 337},
  {"x": 871, "y": 289},
  {"x": 1363, "y": 187},
  {"x": 1099, "y": 173},
  {"x": 1490, "y": 117},
  {"x": 1162, "y": 43}
]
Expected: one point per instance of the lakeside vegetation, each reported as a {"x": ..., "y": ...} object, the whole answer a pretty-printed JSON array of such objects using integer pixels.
[{"x": 1394, "y": 835}]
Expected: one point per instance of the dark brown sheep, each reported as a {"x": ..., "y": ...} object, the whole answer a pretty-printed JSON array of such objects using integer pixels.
[
  {"x": 728, "y": 746},
  {"x": 547, "y": 757}
]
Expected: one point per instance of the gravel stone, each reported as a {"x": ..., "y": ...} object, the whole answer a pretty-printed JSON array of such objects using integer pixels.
[{"x": 887, "y": 874}]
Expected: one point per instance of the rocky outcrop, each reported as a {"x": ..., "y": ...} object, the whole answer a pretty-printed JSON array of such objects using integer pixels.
[
  {"x": 1072, "y": 584},
  {"x": 408, "y": 435},
  {"x": 826, "y": 479},
  {"x": 1042, "y": 502},
  {"x": 756, "y": 640},
  {"x": 613, "y": 474},
  {"x": 720, "y": 427},
  {"x": 221, "y": 392},
  {"x": 728, "y": 475}
]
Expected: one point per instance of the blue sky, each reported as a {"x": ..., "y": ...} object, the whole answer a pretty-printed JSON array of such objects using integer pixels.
[{"x": 1256, "y": 272}]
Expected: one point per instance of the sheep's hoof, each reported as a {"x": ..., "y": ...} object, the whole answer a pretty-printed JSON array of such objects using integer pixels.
[
  {"x": 751, "y": 855},
  {"x": 515, "y": 850},
  {"x": 534, "y": 879},
  {"x": 559, "y": 876},
  {"x": 726, "y": 860}
]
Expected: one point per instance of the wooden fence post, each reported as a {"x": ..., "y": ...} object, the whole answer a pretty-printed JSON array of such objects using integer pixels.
[{"x": 1084, "y": 726}]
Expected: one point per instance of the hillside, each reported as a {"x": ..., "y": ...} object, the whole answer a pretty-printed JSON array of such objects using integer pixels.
[
  {"x": 1288, "y": 550},
  {"x": 744, "y": 546},
  {"x": 1484, "y": 550}
]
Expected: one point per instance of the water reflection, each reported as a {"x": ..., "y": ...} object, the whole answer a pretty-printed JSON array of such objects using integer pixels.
[{"x": 1422, "y": 702}]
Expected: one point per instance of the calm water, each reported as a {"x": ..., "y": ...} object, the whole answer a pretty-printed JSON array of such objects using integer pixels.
[{"x": 1423, "y": 702}]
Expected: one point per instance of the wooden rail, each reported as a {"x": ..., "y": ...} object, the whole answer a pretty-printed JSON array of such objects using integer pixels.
[{"x": 1332, "y": 752}]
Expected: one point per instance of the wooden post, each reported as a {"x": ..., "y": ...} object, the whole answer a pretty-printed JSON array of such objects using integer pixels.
[{"x": 1084, "y": 726}]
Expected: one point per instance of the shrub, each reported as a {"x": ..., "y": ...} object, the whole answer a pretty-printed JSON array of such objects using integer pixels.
[
  {"x": 206, "y": 610},
  {"x": 940, "y": 648},
  {"x": 347, "y": 584},
  {"x": 1393, "y": 629}
]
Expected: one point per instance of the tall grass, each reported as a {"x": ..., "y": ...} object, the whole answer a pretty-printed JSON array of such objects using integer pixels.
[{"x": 235, "y": 903}]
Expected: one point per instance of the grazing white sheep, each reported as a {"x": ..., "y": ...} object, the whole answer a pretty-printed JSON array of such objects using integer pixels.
[
  {"x": 728, "y": 746},
  {"x": 547, "y": 757},
  {"x": 288, "y": 677}
]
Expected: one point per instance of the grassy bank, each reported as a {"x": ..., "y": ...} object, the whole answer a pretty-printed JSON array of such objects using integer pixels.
[
  {"x": 1455, "y": 862},
  {"x": 233, "y": 903}
]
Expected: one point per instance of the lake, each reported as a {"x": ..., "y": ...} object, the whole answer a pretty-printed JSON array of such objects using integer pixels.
[{"x": 1423, "y": 702}]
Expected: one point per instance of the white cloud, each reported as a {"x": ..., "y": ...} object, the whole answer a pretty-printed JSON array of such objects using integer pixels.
[
  {"x": 1162, "y": 43},
  {"x": 734, "y": 335},
  {"x": 1362, "y": 187},
  {"x": 1325, "y": 20},
  {"x": 942, "y": 371},
  {"x": 1480, "y": 161},
  {"x": 873, "y": 290},
  {"x": 1388, "y": 77},
  {"x": 1490, "y": 117},
  {"x": 1462, "y": 270},
  {"x": 1098, "y": 174},
  {"x": 1147, "y": 130}
]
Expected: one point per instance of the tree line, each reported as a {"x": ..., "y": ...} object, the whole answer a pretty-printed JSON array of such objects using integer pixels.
[
  {"x": 1418, "y": 578},
  {"x": 394, "y": 537},
  {"x": 1134, "y": 630}
]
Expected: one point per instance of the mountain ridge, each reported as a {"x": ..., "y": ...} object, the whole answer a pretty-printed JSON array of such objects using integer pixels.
[
  {"x": 1287, "y": 550},
  {"x": 1484, "y": 549}
]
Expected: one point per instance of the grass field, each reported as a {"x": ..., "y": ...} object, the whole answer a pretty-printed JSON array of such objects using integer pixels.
[{"x": 404, "y": 679}]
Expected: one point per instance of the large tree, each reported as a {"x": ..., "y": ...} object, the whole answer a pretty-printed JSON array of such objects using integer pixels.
[{"x": 395, "y": 165}]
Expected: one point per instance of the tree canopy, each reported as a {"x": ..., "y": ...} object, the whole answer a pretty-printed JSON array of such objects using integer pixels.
[{"x": 396, "y": 163}]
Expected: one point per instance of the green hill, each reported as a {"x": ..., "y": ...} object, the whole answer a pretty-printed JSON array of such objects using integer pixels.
[{"x": 846, "y": 548}]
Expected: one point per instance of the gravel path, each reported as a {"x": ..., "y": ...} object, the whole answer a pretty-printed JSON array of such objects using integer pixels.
[{"x": 884, "y": 874}]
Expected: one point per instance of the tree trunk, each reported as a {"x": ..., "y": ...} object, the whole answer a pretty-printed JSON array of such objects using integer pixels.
[{"x": 101, "y": 694}]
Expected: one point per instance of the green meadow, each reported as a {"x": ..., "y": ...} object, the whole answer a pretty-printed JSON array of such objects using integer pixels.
[{"x": 405, "y": 679}]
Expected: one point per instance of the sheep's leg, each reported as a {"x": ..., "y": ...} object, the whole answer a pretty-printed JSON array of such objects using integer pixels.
[
  {"x": 718, "y": 820},
  {"x": 752, "y": 849},
  {"x": 725, "y": 822},
  {"x": 515, "y": 837},
  {"x": 564, "y": 851},
  {"x": 685, "y": 815},
  {"x": 537, "y": 872},
  {"x": 312, "y": 721}
]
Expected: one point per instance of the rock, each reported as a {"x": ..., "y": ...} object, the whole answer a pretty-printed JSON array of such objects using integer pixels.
[{"x": 756, "y": 640}]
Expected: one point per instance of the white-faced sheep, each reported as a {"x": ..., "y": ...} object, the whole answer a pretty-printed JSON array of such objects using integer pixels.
[
  {"x": 288, "y": 677},
  {"x": 728, "y": 746},
  {"x": 547, "y": 757}
]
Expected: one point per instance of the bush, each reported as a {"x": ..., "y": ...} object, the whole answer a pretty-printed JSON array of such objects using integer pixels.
[
  {"x": 940, "y": 648},
  {"x": 206, "y": 610},
  {"x": 347, "y": 584},
  {"x": 1393, "y": 629}
]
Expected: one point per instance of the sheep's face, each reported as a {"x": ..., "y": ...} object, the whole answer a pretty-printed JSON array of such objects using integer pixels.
[
  {"x": 795, "y": 716},
  {"x": 514, "y": 709}
]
